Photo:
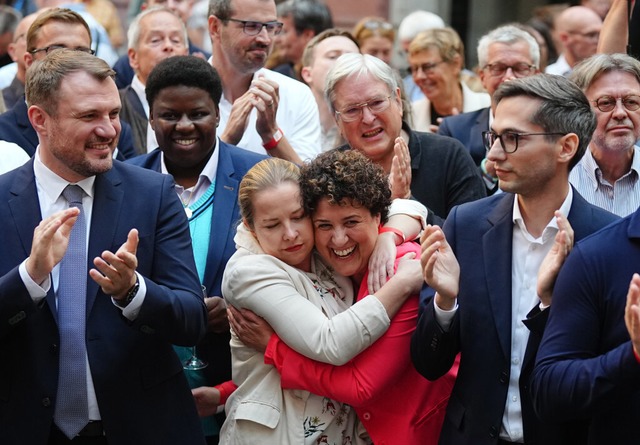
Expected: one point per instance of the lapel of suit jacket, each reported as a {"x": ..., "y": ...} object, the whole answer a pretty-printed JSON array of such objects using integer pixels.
[
  {"x": 108, "y": 201},
  {"x": 497, "y": 251},
  {"x": 224, "y": 203}
]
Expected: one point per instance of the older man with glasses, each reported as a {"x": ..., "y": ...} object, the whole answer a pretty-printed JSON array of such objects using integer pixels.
[
  {"x": 492, "y": 267},
  {"x": 504, "y": 53},
  {"x": 608, "y": 174},
  {"x": 260, "y": 110},
  {"x": 364, "y": 97}
]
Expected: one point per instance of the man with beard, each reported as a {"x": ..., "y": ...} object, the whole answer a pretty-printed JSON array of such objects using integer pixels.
[
  {"x": 260, "y": 110},
  {"x": 607, "y": 175},
  {"x": 97, "y": 277}
]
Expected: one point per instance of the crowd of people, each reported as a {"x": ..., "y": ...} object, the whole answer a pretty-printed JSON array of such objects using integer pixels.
[{"x": 291, "y": 237}]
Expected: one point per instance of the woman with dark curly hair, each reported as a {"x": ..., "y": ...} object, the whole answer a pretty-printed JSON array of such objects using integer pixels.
[{"x": 347, "y": 197}]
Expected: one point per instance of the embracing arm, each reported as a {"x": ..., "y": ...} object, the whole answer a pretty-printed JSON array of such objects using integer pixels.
[
  {"x": 278, "y": 293},
  {"x": 362, "y": 379}
]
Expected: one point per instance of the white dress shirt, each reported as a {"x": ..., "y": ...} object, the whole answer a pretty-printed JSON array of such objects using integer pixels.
[{"x": 297, "y": 116}]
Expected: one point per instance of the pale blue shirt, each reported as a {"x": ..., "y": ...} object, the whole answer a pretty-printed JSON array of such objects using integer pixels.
[{"x": 620, "y": 198}]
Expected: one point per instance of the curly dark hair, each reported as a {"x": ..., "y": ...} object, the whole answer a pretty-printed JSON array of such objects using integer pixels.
[{"x": 341, "y": 175}]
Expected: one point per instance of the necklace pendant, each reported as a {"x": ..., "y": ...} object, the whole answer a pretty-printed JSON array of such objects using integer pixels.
[{"x": 189, "y": 212}]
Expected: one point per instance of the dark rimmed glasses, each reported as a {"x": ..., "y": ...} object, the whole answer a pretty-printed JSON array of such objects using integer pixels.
[
  {"x": 253, "y": 28},
  {"x": 426, "y": 68},
  {"x": 608, "y": 103},
  {"x": 509, "y": 139},
  {"x": 48, "y": 49},
  {"x": 353, "y": 112},
  {"x": 498, "y": 69}
]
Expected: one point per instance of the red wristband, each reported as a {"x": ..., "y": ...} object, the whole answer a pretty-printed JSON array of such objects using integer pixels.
[
  {"x": 273, "y": 143},
  {"x": 396, "y": 231}
]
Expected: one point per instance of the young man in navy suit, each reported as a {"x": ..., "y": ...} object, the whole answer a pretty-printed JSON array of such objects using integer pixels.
[
  {"x": 489, "y": 287},
  {"x": 133, "y": 270}
]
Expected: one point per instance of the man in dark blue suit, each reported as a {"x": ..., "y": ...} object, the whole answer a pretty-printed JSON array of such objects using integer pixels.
[
  {"x": 183, "y": 94},
  {"x": 142, "y": 292},
  {"x": 588, "y": 364},
  {"x": 489, "y": 287},
  {"x": 56, "y": 28},
  {"x": 505, "y": 53}
]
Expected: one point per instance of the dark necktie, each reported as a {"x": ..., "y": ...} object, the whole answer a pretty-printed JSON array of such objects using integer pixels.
[{"x": 71, "y": 413}]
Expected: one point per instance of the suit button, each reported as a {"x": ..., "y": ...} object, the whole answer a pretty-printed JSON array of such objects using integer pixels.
[
  {"x": 493, "y": 432},
  {"x": 503, "y": 377},
  {"x": 46, "y": 402},
  {"x": 54, "y": 348}
]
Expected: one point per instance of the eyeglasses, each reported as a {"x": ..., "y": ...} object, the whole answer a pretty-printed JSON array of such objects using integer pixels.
[
  {"x": 353, "y": 112},
  {"x": 252, "y": 28},
  {"x": 48, "y": 49},
  {"x": 608, "y": 103},
  {"x": 508, "y": 139},
  {"x": 376, "y": 24},
  {"x": 520, "y": 69},
  {"x": 593, "y": 35},
  {"x": 426, "y": 68}
]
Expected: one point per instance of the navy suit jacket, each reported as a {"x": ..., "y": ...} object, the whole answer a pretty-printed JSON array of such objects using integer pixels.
[
  {"x": 141, "y": 389},
  {"x": 468, "y": 128},
  {"x": 586, "y": 368},
  {"x": 480, "y": 234},
  {"x": 15, "y": 127},
  {"x": 233, "y": 163}
]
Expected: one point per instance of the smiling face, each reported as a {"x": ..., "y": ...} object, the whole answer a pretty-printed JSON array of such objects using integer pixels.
[
  {"x": 345, "y": 236},
  {"x": 618, "y": 129},
  {"x": 281, "y": 226},
  {"x": 78, "y": 140},
  {"x": 439, "y": 82},
  {"x": 184, "y": 120},
  {"x": 373, "y": 134}
]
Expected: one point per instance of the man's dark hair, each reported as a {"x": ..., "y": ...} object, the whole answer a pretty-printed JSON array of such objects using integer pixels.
[{"x": 307, "y": 14}]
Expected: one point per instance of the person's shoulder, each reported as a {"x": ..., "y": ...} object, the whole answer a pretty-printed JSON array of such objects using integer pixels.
[
  {"x": 464, "y": 119},
  {"x": 438, "y": 144},
  {"x": 142, "y": 177}
]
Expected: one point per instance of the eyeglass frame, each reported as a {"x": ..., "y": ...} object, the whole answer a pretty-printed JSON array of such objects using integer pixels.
[
  {"x": 491, "y": 65},
  {"x": 621, "y": 99},
  {"x": 275, "y": 25},
  {"x": 496, "y": 136},
  {"x": 48, "y": 49},
  {"x": 427, "y": 68},
  {"x": 360, "y": 106}
]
